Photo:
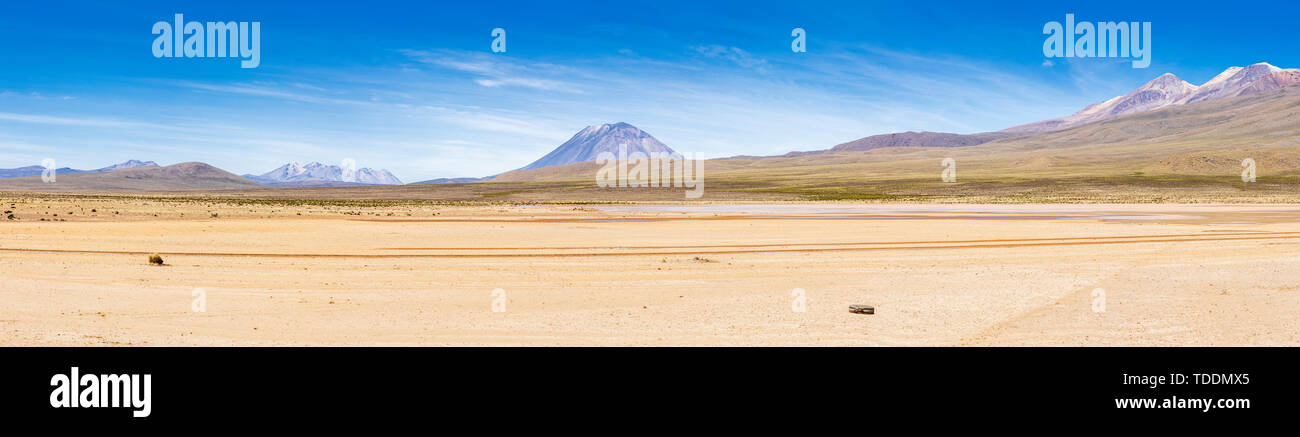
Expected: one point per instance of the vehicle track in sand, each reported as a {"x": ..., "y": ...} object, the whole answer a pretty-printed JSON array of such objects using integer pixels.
[{"x": 717, "y": 249}]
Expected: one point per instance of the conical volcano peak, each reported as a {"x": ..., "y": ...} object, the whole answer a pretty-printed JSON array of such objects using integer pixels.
[{"x": 588, "y": 144}]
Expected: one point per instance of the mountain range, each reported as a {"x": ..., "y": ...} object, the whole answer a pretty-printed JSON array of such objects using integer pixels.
[
  {"x": 1261, "y": 85},
  {"x": 1164, "y": 91},
  {"x": 183, "y": 176},
  {"x": 1180, "y": 153},
  {"x": 287, "y": 176},
  {"x": 317, "y": 174},
  {"x": 1168, "y": 90},
  {"x": 36, "y": 170}
]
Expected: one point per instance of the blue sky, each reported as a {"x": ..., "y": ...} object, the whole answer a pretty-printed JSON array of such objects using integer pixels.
[{"x": 414, "y": 88}]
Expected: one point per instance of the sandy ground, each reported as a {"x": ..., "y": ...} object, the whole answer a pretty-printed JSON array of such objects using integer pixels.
[{"x": 646, "y": 275}]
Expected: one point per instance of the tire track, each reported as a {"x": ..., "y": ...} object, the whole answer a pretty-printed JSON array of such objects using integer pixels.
[{"x": 745, "y": 249}]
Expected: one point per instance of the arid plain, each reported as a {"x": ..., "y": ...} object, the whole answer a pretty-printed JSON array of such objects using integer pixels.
[{"x": 285, "y": 272}]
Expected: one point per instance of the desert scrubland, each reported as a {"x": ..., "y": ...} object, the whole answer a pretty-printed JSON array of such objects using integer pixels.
[{"x": 314, "y": 272}]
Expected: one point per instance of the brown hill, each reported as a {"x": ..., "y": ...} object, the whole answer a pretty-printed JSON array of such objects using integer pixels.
[
  {"x": 919, "y": 139},
  {"x": 177, "y": 177}
]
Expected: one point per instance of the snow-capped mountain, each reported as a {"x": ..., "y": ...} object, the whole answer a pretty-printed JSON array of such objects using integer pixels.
[
  {"x": 1168, "y": 90},
  {"x": 132, "y": 163},
  {"x": 317, "y": 172},
  {"x": 1238, "y": 81},
  {"x": 588, "y": 144},
  {"x": 1158, "y": 93}
]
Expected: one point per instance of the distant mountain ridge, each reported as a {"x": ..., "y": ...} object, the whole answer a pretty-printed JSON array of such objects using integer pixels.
[
  {"x": 1168, "y": 90},
  {"x": 315, "y": 173},
  {"x": 589, "y": 143},
  {"x": 36, "y": 170},
  {"x": 1161, "y": 92},
  {"x": 176, "y": 177},
  {"x": 450, "y": 181},
  {"x": 918, "y": 139},
  {"x": 1207, "y": 138}
]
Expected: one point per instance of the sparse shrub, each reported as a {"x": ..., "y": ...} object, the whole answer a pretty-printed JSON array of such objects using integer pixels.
[{"x": 155, "y": 259}]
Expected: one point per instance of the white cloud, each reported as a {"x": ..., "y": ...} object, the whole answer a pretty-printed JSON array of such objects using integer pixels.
[
  {"x": 498, "y": 71},
  {"x": 267, "y": 90},
  {"x": 735, "y": 55},
  {"x": 81, "y": 121}
]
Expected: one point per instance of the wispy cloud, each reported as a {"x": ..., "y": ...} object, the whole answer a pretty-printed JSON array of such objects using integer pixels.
[
  {"x": 271, "y": 91},
  {"x": 732, "y": 54},
  {"x": 24, "y": 147},
  {"x": 36, "y": 95},
  {"x": 498, "y": 71},
  {"x": 81, "y": 121},
  {"x": 530, "y": 125}
]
